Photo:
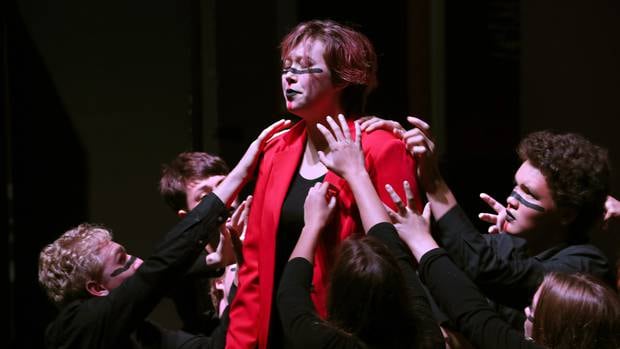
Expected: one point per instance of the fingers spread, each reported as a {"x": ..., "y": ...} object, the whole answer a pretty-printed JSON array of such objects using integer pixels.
[
  {"x": 487, "y": 217},
  {"x": 419, "y": 123},
  {"x": 409, "y": 195},
  {"x": 426, "y": 213},
  {"x": 396, "y": 199},
  {"x": 331, "y": 141},
  {"x": 335, "y": 128},
  {"x": 495, "y": 205},
  {"x": 345, "y": 127}
]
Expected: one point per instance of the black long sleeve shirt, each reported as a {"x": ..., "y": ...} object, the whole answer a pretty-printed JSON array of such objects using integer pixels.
[
  {"x": 307, "y": 330},
  {"x": 461, "y": 300},
  {"x": 118, "y": 320},
  {"x": 500, "y": 266}
]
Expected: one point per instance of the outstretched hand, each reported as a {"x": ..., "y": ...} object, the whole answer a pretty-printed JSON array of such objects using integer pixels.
[
  {"x": 237, "y": 225},
  {"x": 612, "y": 211},
  {"x": 420, "y": 144},
  {"x": 251, "y": 155},
  {"x": 413, "y": 229},
  {"x": 371, "y": 123},
  {"x": 224, "y": 254},
  {"x": 235, "y": 180},
  {"x": 317, "y": 210},
  {"x": 345, "y": 155},
  {"x": 498, "y": 218},
  {"x": 317, "y": 213}
]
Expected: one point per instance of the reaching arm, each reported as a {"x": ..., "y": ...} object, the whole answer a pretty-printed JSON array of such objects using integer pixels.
[
  {"x": 232, "y": 184},
  {"x": 316, "y": 215},
  {"x": 467, "y": 307},
  {"x": 345, "y": 158}
]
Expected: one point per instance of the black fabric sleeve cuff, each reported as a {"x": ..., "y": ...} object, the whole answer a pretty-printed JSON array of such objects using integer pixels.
[{"x": 427, "y": 259}]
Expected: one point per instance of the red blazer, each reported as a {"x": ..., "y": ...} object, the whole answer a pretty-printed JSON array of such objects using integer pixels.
[{"x": 387, "y": 161}]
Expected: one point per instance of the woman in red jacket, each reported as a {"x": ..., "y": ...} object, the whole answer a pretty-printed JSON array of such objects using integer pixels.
[{"x": 328, "y": 69}]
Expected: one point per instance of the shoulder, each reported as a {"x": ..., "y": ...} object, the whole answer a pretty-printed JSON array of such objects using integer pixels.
[
  {"x": 583, "y": 250},
  {"x": 380, "y": 140},
  {"x": 284, "y": 138},
  {"x": 378, "y": 136}
]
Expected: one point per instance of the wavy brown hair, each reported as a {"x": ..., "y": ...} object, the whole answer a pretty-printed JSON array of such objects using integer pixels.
[{"x": 576, "y": 311}]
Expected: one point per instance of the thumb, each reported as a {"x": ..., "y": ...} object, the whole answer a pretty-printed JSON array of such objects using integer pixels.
[
  {"x": 426, "y": 214},
  {"x": 323, "y": 158},
  {"x": 332, "y": 203}
]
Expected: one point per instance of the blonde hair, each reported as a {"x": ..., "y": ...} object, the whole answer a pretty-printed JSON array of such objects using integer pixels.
[{"x": 69, "y": 262}]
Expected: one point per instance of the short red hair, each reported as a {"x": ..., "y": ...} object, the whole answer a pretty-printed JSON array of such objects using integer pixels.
[{"x": 348, "y": 53}]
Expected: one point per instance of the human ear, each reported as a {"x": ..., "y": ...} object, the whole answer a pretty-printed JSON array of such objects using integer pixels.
[{"x": 96, "y": 289}]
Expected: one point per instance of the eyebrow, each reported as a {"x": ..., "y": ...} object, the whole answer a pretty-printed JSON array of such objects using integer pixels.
[
  {"x": 522, "y": 200},
  {"x": 530, "y": 191},
  {"x": 118, "y": 251},
  {"x": 300, "y": 59}
]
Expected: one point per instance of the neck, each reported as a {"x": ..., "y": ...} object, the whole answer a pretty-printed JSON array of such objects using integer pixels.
[
  {"x": 315, "y": 137},
  {"x": 311, "y": 165}
]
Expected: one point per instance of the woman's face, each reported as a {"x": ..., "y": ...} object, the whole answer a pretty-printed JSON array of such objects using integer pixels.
[
  {"x": 307, "y": 82},
  {"x": 529, "y": 315}
]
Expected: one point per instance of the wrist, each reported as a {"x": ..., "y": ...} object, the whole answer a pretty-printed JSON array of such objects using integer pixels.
[
  {"x": 435, "y": 184},
  {"x": 421, "y": 246},
  {"x": 311, "y": 229},
  {"x": 360, "y": 175}
]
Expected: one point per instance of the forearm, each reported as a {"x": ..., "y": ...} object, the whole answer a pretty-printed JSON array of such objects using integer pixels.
[
  {"x": 232, "y": 184},
  {"x": 497, "y": 263},
  {"x": 368, "y": 202},
  {"x": 306, "y": 244},
  {"x": 422, "y": 245},
  {"x": 467, "y": 307},
  {"x": 135, "y": 298},
  {"x": 440, "y": 196}
]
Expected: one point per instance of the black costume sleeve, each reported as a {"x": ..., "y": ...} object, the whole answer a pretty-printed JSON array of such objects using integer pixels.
[
  {"x": 466, "y": 306},
  {"x": 428, "y": 332},
  {"x": 299, "y": 318},
  {"x": 106, "y": 322},
  {"x": 499, "y": 263}
]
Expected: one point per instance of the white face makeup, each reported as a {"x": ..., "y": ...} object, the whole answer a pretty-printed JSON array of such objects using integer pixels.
[{"x": 306, "y": 80}]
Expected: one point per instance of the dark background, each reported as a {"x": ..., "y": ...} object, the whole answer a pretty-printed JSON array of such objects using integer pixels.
[{"x": 97, "y": 95}]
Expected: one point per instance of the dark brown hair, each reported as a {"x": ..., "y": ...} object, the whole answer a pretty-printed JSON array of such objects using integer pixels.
[
  {"x": 185, "y": 168},
  {"x": 576, "y": 171},
  {"x": 349, "y": 55},
  {"x": 576, "y": 311},
  {"x": 368, "y": 295}
]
